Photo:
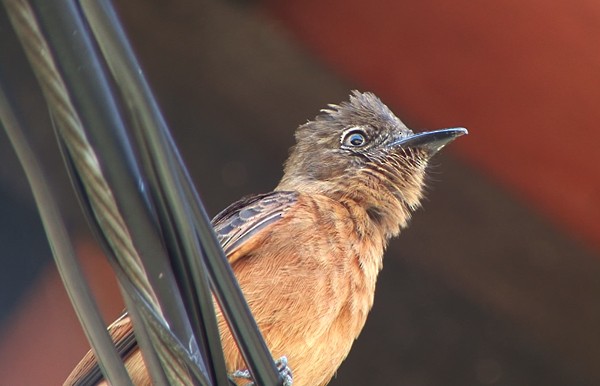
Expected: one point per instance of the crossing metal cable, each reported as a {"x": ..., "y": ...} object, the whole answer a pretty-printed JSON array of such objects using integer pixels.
[
  {"x": 87, "y": 165},
  {"x": 85, "y": 160},
  {"x": 140, "y": 289},
  {"x": 66, "y": 261}
]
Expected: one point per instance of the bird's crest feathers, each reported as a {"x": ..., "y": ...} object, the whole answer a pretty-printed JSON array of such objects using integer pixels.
[{"x": 362, "y": 108}]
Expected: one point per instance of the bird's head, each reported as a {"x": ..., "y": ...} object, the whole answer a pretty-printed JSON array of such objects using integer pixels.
[{"x": 360, "y": 150}]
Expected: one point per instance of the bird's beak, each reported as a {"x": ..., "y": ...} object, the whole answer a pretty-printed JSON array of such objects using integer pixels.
[{"x": 430, "y": 141}]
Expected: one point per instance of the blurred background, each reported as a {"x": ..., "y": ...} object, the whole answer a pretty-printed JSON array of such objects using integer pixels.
[{"x": 496, "y": 281}]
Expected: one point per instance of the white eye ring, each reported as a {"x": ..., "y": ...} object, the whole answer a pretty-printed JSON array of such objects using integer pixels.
[{"x": 354, "y": 137}]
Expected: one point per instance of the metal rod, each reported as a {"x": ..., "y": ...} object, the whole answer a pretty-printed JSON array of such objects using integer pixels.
[
  {"x": 62, "y": 250},
  {"x": 151, "y": 359},
  {"x": 142, "y": 338},
  {"x": 83, "y": 75},
  {"x": 170, "y": 201},
  {"x": 129, "y": 75},
  {"x": 232, "y": 301}
]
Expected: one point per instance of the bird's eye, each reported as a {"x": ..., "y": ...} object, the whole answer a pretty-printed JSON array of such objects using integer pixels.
[{"x": 354, "y": 138}]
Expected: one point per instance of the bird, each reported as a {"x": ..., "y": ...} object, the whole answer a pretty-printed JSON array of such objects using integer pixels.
[{"x": 307, "y": 254}]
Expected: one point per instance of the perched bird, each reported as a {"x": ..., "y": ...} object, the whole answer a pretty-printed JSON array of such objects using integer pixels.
[{"x": 307, "y": 255}]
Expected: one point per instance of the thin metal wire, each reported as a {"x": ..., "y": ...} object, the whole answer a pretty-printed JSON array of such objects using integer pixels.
[
  {"x": 100, "y": 197},
  {"x": 174, "y": 178},
  {"x": 142, "y": 338},
  {"x": 170, "y": 202},
  {"x": 176, "y": 350},
  {"x": 88, "y": 168},
  {"x": 86, "y": 162},
  {"x": 114, "y": 226},
  {"x": 62, "y": 250}
]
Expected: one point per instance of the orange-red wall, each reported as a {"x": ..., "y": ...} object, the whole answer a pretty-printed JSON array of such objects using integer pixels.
[{"x": 523, "y": 76}]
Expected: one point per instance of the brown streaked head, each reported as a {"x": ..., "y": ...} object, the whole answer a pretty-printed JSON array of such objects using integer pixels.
[{"x": 360, "y": 150}]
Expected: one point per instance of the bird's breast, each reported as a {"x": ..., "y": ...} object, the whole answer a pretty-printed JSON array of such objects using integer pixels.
[{"x": 310, "y": 284}]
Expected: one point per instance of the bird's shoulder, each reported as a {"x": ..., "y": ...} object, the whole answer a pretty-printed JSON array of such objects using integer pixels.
[
  {"x": 265, "y": 223},
  {"x": 238, "y": 224}
]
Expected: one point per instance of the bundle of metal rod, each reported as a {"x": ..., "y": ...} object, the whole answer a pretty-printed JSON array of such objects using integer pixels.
[{"x": 138, "y": 195}]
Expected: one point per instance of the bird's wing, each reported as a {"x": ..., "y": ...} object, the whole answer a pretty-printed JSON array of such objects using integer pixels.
[
  {"x": 87, "y": 372},
  {"x": 234, "y": 227},
  {"x": 237, "y": 224}
]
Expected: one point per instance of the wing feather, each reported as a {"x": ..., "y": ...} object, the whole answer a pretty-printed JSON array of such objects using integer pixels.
[
  {"x": 234, "y": 227},
  {"x": 242, "y": 220}
]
